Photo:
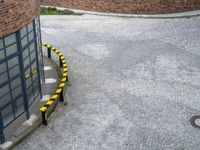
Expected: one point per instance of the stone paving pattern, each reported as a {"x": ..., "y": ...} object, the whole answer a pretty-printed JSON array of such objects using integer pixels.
[{"x": 135, "y": 83}]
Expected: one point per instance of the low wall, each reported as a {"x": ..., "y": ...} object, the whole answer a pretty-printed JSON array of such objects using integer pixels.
[{"x": 128, "y": 6}]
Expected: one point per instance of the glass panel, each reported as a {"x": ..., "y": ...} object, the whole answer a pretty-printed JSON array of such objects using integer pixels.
[
  {"x": 3, "y": 78},
  {"x": 26, "y": 62},
  {"x": 2, "y": 54},
  {"x": 34, "y": 65},
  {"x": 1, "y": 43},
  {"x": 24, "y": 41},
  {"x": 19, "y": 106},
  {"x": 3, "y": 90},
  {"x": 30, "y": 27},
  {"x": 30, "y": 95},
  {"x": 23, "y": 32},
  {"x": 11, "y": 49},
  {"x": 25, "y": 53},
  {"x": 28, "y": 70},
  {"x": 35, "y": 76},
  {"x": 31, "y": 36},
  {"x": 14, "y": 71},
  {"x": 33, "y": 56},
  {"x": 13, "y": 62},
  {"x": 5, "y": 100},
  {"x": 15, "y": 83},
  {"x": 32, "y": 47},
  {"x": 36, "y": 88},
  {"x": 10, "y": 39},
  {"x": 16, "y": 92},
  {"x": 28, "y": 82},
  {"x": 7, "y": 115},
  {"x": 3, "y": 68}
]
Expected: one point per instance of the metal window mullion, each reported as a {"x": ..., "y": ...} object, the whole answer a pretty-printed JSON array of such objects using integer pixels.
[
  {"x": 39, "y": 28},
  {"x": 30, "y": 64},
  {"x": 37, "y": 61},
  {"x": 9, "y": 57},
  {"x": 2, "y": 137},
  {"x": 19, "y": 45},
  {"x": 9, "y": 82}
]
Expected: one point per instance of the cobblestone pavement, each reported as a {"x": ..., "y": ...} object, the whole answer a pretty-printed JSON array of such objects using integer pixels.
[{"x": 135, "y": 84}]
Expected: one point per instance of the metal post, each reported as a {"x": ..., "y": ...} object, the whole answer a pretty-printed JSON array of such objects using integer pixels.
[
  {"x": 41, "y": 49},
  {"x": 2, "y": 137},
  {"x": 44, "y": 118},
  {"x": 37, "y": 60},
  {"x": 67, "y": 78},
  {"x": 61, "y": 64},
  {"x": 22, "y": 69},
  {"x": 49, "y": 52},
  {"x": 61, "y": 96}
]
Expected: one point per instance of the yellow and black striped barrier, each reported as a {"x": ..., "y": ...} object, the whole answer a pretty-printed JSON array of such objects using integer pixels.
[{"x": 64, "y": 78}]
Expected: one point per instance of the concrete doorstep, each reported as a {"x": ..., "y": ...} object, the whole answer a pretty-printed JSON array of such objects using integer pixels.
[{"x": 25, "y": 129}]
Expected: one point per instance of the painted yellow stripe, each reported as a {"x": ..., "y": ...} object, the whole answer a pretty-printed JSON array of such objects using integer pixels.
[
  {"x": 58, "y": 91},
  {"x": 63, "y": 61},
  {"x": 54, "y": 97},
  {"x": 34, "y": 71},
  {"x": 48, "y": 46},
  {"x": 62, "y": 57},
  {"x": 43, "y": 109},
  {"x": 65, "y": 74},
  {"x": 64, "y": 79},
  {"x": 62, "y": 85},
  {"x": 57, "y": 51},
  {"x": 65, "y": 69},
  {"x": 49, "y": 103},
  {"x": 65, "y": 65},
  {"x": 53, "y": 49},
  {"x": 59, "y": 54}
]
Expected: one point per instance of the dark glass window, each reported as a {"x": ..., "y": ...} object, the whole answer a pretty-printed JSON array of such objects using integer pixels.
[
  {"x": 19, "y": 54},
  {"x": 10, "y": 39},
  {"x": 2, "y": 54},
  {"x": 3, "y": 77},
  {"x": 7, "y": 114},
  {"x": 3, "y": 68},
  {"x": 1, "y": 43},
  {"x": 5, "y": 100},
  {"x": 19, "y": 106}
]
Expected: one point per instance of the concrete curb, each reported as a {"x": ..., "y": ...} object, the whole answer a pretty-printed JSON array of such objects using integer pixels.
[{"x": 188, "y": 14}]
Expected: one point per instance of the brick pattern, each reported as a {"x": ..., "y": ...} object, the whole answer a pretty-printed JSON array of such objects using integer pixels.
[
  {"x": 15, "y": 14},
  {"x": 128, "y": 6}
]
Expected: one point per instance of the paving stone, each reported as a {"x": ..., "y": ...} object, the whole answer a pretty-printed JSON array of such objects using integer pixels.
[{"x": 135, "y": 84}]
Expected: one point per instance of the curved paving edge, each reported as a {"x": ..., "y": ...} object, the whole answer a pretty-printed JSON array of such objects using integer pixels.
[{"x": 188, "y": 14}]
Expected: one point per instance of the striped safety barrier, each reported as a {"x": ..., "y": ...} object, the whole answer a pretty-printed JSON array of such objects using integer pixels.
[{"x": 59, "y": 92}]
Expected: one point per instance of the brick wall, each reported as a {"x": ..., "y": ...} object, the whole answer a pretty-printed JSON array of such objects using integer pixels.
[
  {"x": 15, "y": 14},
  {"x": 128, "y": 6}
]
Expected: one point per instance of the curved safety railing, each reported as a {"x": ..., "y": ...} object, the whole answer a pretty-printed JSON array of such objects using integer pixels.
[{"x": 58, "y": 95}]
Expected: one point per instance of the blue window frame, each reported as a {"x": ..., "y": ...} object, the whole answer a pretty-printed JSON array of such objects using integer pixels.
[{"x": 21, "y": 67}]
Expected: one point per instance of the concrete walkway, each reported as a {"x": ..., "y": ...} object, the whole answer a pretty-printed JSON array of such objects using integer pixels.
[{"x": 135, "y": 84}]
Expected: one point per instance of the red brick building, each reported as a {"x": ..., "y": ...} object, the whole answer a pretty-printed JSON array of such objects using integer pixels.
[{"x": 128, "y": 6}]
